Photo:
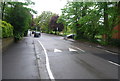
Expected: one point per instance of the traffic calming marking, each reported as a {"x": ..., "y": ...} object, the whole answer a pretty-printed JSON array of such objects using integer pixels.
[
  {"x": 57, "y": 50},
  {"x": 78, "y": 48},
  {"x": 70, "y": 49}
]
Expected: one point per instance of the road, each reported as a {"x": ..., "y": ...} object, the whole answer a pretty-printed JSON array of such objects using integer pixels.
[{"x": 63, "y": 59}]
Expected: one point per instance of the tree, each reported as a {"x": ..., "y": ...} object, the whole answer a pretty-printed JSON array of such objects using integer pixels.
[
  {"x": 73, "y": 13},
  {"x": 43, "y": 21},
  {"x": 90, "y": 19},
  {"x": 62, "y": 19},
  {"x": 110, "y": 16},
  {"x": 54, "y": 25},
  {"x": 3, "y": 4},
  {"x": 19, "y": 17}
]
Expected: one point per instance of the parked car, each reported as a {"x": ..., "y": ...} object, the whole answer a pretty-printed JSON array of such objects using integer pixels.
[
  {"x": 33, "y": 32},
  {"x": 70, "y": 36},
  {"x": 37, "y": 34}
]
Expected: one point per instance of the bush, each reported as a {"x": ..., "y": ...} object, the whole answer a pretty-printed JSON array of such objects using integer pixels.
[
  {"x": 115, "y": 42},
  {"x": 6, "y": 29},
  {"x": 18, "y": 36}
]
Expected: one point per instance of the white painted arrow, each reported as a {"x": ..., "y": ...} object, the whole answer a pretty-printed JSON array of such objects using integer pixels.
[
  {"x": 70, "y": 49},
  {"x": 57, "y": 50}
]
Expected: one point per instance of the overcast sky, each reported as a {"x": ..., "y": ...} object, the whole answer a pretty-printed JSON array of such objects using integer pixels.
[{"x": 54, "y": 6}]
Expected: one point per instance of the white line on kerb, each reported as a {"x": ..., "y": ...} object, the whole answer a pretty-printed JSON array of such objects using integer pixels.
[
  {"x": 113, "y": 63},
  {"x": 79, "y": 49},
  {"x": 110, "y": 52},
  {"x": 47, "y": 63}
]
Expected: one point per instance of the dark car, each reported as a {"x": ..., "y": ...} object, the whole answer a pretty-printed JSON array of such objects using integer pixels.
[{"x": 37, "y": 34}]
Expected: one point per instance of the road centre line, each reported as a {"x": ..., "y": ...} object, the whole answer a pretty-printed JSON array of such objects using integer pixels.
[
  {"x": 47, "y": 63},
  {"x": 113, "y": 63},
  {"x": 78, "y": 48}
]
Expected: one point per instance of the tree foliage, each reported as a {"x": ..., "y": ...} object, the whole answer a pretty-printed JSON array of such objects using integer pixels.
[
  {"x": 47, "y": 22},
  {"x": 54, "y": 25},
  {"x": 19, "y": 17},
  {"x": 6, "y": 29},
  {"x": 91, "y": 19},
  {"x": 42, "y": 21}
]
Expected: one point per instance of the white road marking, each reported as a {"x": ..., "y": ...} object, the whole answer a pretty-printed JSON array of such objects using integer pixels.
[
  {"x": 111, "y": 52},
  {"x": 70, "y": 49},
  {"x": 79, "y": 49},
  {"x": 113, "y": 63},
  {"x": 99, "y": 46},
  {"x": 90, "y": 46},
  {"x": 57, "y": 50},
  {"x": 47, "y": 63}
]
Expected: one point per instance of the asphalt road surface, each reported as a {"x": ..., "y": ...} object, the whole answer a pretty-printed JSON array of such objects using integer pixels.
[{"x": 64, "y": 59}]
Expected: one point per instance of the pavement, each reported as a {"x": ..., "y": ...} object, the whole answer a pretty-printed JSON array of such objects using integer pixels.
[{"x": 19, "y": 61}]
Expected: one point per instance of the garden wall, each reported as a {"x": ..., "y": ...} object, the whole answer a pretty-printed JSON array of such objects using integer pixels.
[
  {"x": 6, "y": 42},
  {"x": 116, "y": 35}
]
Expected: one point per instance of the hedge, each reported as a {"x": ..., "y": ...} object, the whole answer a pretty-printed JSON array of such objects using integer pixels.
[{"x": 6, "y": 29}]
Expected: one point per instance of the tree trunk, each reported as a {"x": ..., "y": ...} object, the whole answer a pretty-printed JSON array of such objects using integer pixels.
[
  {"x": 106, "y": 20},
  {"x": 119, "y": 7},
  {"x": 3, "y": 8}
]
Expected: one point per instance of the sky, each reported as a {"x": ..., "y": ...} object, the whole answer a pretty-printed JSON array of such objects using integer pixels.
[{"x": 54, "y": 6}]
